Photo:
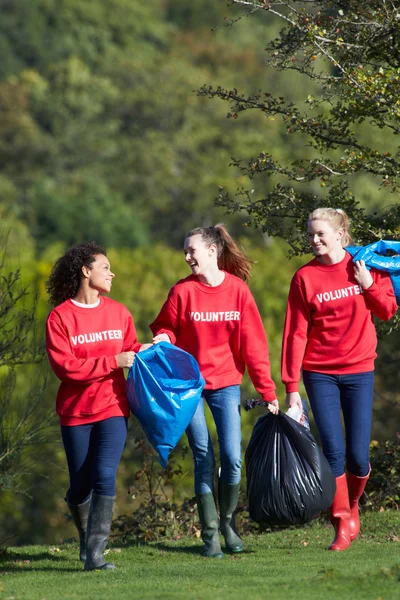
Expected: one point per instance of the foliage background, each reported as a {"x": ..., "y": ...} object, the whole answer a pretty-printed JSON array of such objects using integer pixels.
[{"x": 104, "y": 136}]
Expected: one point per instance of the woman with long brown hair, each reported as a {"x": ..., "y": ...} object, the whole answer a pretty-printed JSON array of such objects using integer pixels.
[{"x": 212, "y": 315}]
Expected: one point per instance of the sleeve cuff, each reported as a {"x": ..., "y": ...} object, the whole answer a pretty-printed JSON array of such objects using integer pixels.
[
  {"x": 373, "y": 288},
  {"x": 292, "y": 387},
  {"x": 112, "y": 363},
  {"x": 269, "y": 396},
  {"x": 170, "y": 334}
]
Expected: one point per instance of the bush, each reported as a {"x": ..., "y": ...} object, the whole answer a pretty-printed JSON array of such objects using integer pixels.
[
  {"x": 383, "y": 488},
  {"x": 159, "y": 516}
]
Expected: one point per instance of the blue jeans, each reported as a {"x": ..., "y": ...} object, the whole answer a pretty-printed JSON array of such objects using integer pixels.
[
  {"x": 93, "y": 454},
  {"x": 225, "y": 408},
  {"x": 353, "y": 394}
]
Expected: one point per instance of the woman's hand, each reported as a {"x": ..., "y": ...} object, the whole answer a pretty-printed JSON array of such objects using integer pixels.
[
  {"x": 161, "y": 337},
  {"x": 144, "y": 347},
  {"x": 293, "y": 399},
  {"x": 273, "y": 406},
  {"x": 362, "y": 275},
  {"x": 125, "y": 359}
]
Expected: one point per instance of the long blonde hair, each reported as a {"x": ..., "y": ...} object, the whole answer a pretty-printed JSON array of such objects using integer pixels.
[
  {"x": 337, "y": 218},
  {"x": 230, "y": 257}
]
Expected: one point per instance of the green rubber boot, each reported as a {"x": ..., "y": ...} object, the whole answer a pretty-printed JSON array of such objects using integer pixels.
[
  {"x": 228, "y": 499},
  {"x": 80, "y": 515},
  {"x": 209, "y": 525},
  {"x": 98, "y": 531}
]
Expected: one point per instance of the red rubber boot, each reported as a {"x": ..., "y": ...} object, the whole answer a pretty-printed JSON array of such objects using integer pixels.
[
  {"x": 356, "y": 486},
  {"x": 340, "y": 515}
]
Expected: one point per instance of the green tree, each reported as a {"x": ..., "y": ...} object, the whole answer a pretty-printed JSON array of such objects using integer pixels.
[
  {"x": 23, "y": 422},
  {"x": 194, "y": 16},
  {"x": 349, "y": 53},
  {"x": 40, "y": 34},
  {"x": 100, "y": 126}
]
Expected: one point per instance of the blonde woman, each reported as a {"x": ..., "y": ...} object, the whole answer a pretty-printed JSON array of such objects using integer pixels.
[{"x": 330, "y": 336}]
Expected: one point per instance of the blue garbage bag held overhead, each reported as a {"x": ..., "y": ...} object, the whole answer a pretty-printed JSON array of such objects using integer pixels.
[
  {"x": 376, "y": 256},
  {"x": 164, "y": 387}
]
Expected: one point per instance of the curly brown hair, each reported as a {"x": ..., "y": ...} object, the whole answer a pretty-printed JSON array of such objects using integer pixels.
[{"x": 66, "y": 274}]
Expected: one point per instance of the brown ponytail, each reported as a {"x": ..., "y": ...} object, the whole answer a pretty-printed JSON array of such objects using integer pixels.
[{"x": 230, "y": 257}]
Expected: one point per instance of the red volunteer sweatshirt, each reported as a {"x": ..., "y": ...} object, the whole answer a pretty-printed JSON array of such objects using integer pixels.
[
  {"x": 82, "y": 344},
  {"x": 329, "y": 325},
  {"x": 222, "y": 328}
]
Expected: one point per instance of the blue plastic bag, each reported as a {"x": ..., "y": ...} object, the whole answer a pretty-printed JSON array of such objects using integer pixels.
[
  {"x": 164, "y": 388},
  {"x": 374, "y": 256}
]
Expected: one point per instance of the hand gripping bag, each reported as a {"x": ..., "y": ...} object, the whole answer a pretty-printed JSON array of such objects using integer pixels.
[
  {"x": 164, "y": 387},
  {"x": 289, "y": 480},
  {"x": 376, "y": 255}
]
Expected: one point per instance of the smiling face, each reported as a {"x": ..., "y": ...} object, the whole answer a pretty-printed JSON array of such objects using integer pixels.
[
  {"x": 200, "y": 257},
  {"x": 99, "y": 276},
  {"x": 324, "y": 239}
]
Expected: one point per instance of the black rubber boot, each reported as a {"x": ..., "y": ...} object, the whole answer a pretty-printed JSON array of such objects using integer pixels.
[
  {"x": 228, "y": 499},
  {"x": 80, "y": 515},
  {"x": 209, "y": 525},
  {"x": 98, "y": 531}
]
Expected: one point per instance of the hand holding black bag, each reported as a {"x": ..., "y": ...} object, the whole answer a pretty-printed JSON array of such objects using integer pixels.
[{"x": 289, "y": 480}]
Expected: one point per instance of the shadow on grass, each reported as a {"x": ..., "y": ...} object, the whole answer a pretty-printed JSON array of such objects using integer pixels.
[
  {"x": 7, "y": 569},
  {"x": 21, "y": 562},
  {"x": 11, "y": 557},
  {"x": 164, "y": 546},
  {"x": 196, "y": 550},
  {"x": 168, "y": 546}
]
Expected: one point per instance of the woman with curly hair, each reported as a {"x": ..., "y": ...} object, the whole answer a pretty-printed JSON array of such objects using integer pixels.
[
  {"x": 90, "y": 339},
  {"x": 212, "y": 315}
]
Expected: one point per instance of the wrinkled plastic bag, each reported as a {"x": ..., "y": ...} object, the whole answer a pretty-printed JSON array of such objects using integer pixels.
[
  {"x": 289, "y": 480},
  {"x": 376, "y": 256},
  {"x": 164, "y": 387},
  {"x": 300, "y": 415}
]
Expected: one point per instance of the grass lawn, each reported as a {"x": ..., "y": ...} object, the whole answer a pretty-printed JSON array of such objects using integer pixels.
[{"x": 291, "y": 564}]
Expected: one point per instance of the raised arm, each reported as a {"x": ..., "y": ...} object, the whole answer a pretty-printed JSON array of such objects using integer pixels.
[{"x": 378, "y": 291}]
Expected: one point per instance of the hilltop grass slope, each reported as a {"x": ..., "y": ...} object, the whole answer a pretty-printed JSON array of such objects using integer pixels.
[{"x": 290, "y": 564}]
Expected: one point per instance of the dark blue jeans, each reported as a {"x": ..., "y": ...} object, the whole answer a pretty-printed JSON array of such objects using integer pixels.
[
  {"x": 353, "y": 394},
  {"x": 93, "y": 454},
  {"x": 224, "y": 404}
]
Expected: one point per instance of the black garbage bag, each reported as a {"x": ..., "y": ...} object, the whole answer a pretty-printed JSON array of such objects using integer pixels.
[{"x": 289, "y": 480}]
